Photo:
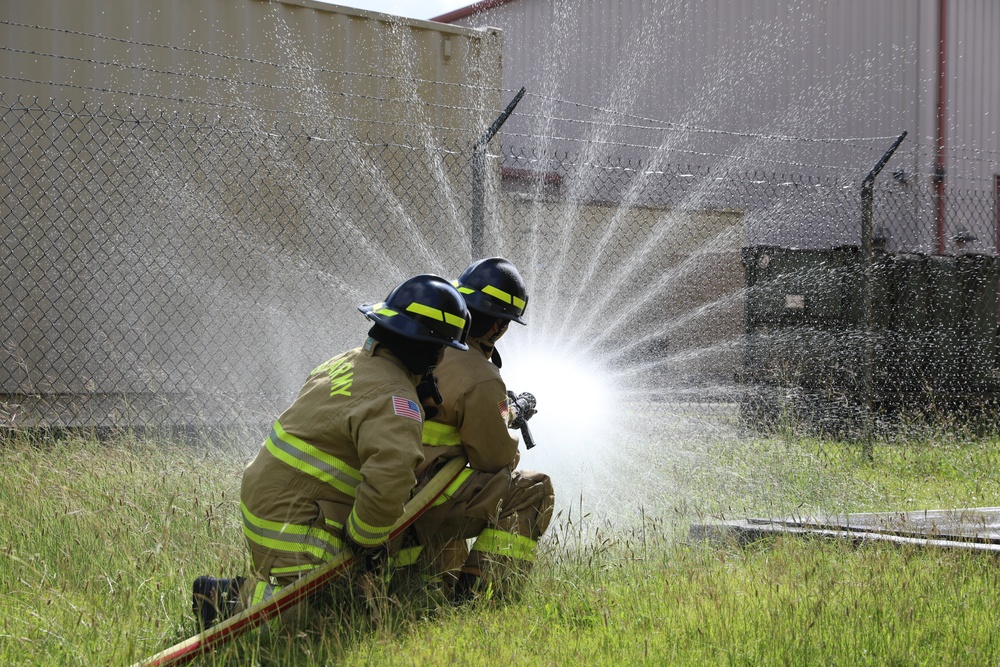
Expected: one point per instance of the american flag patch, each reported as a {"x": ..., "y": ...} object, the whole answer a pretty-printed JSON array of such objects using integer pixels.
[
  {"x": 404, "y": 407},
  {"x": 504, "y": 408}
]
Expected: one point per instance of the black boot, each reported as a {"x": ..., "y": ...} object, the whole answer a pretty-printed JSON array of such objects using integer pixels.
[
  {"x": 215, "y": 599},
  {"x": 466, "y": 588}
]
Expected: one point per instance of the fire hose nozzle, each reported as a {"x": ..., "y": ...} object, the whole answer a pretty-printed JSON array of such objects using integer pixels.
[{"x": 524, "y": 406}]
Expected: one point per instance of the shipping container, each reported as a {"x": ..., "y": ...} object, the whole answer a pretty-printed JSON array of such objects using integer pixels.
[
  {"x": 297, "y": 62},
  {"x": 195, "y": 193}
]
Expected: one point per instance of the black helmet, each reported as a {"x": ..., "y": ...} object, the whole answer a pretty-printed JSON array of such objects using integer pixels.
[
  {"x": 425, "y": 308},
  {"x": 493, "y": 286}
]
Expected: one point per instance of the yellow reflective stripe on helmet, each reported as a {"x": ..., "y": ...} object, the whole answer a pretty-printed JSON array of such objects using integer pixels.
[
  {"x": 311, "y": 460},
  {"x": 275, "y": 535},
  {"x": 453, "y": 488},
  {"x": 388, "y": 312},
  {"x": 436, "y": 314},
  {"x": 441, "y": 435},
  {"x": 498, "y": 293},
  {"x": 502, "y": 543},
  {"x": 365, "y": 534}
]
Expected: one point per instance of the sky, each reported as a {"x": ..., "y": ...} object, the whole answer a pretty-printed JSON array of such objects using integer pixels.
[{"x": 415, "y": 9}]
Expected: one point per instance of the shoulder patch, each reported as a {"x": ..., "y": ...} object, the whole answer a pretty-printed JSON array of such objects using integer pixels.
[
  {"x": 404, "y": 407},
  {"x": 504, "y": 408}
]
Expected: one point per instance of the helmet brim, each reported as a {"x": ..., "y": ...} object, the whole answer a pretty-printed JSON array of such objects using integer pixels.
[{"x": 408, "y": 328}]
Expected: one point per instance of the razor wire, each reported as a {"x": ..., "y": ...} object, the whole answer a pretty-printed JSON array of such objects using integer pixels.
[{"x": 163, "y": 270}]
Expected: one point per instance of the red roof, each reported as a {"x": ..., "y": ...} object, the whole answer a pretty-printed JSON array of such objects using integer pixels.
[{"x": 474, "y": 8}]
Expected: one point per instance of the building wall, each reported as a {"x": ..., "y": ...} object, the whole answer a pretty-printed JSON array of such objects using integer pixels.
[{"x": 718, "y": 78}]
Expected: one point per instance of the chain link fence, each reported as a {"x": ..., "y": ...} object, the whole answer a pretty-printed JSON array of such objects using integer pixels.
[{"x": 163, "y": 270}]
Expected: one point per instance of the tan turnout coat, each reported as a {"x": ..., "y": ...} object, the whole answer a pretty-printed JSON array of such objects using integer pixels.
[
  {"x": 346, "y": 450},
  {"x": 504, "y": 509}
]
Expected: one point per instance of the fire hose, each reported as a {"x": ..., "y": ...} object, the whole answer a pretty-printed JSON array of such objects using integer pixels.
[{"x": 289, "y": 596}]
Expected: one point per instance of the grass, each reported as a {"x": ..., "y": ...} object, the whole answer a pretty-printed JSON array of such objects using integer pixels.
[{"x": 101, "y": 540}]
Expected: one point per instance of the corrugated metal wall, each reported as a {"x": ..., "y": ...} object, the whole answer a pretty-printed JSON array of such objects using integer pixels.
[
  {"x": 973, "y": 80},
  {"x": 728, "y": 71}
]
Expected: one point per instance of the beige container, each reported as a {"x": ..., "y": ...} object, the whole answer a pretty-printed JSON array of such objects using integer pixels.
[{"x": 201, "y": 192}]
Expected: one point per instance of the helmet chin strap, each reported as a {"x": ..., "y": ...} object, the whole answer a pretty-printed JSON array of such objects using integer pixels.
[
  {"x": 499, "y": 328},
  {"x": 429, "y": 394},
  {"x": 488, "y": 346},
  {"x": 420, "y": 362}
]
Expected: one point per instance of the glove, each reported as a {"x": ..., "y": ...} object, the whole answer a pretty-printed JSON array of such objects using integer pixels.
[
  {"x": 524, "y": 406},
  {"x": 371, "y": 559}
]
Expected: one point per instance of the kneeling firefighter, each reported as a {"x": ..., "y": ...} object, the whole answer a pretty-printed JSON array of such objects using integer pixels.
[
  {"x": 502, "y": 509},
  {"x": 341, "y": 461}
]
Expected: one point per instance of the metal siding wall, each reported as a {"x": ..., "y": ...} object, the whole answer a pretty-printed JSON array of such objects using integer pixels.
[
  {"x": 974, "y": 98},
  {"x": 873, "y": 62},
  {"x": 972, "y": 135},
  {"x": 818, "y": 69}
]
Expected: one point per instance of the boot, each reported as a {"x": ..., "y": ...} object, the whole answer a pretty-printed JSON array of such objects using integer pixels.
[
  {"x": 466, "y": 588},
  {"x": 214, "y": 599}
]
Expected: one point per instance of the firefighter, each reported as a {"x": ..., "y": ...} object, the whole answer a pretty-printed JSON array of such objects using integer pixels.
[
  {"x": 340, "y": 462},
  {"x": 503, "y": 509}
]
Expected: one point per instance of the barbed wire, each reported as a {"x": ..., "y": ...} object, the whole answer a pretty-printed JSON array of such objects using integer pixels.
[
  {"x": 629, "y": 121},
  {"x": 655, "y": 124},
  {"x": 760, "y": 158},
  {"x": 237, "y": 107},
  {"x": 659, "y": 124},
  {"x": 243, "y": 59},
  {"x": 865, "y": 143},
  {"x": 229, "y": 80},
  {"x": 191, "y": 121},
  {"x": 641, "y": 123}
]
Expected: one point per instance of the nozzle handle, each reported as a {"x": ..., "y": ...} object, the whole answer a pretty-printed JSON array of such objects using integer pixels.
[{"x": 529, "y": 442}]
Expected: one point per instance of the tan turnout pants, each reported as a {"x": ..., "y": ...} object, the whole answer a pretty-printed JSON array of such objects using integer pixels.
[{"x": 505, "y": 513}]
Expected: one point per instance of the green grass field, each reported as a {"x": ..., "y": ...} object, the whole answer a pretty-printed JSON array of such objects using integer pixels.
[{"x": 101, "y": 541}]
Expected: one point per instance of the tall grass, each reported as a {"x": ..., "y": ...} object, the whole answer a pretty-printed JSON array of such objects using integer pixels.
[{"x": 101, "y": 540}]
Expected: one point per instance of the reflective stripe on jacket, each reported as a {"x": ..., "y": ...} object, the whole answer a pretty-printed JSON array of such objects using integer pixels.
[
  {"x": 351, "y": 442},
  {"x": 472, "y": 417}
]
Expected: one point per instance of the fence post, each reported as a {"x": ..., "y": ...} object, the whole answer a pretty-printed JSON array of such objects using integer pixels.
[
  {"x": 479, "y": 177},
  {"x": 867, "y": 291}
]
